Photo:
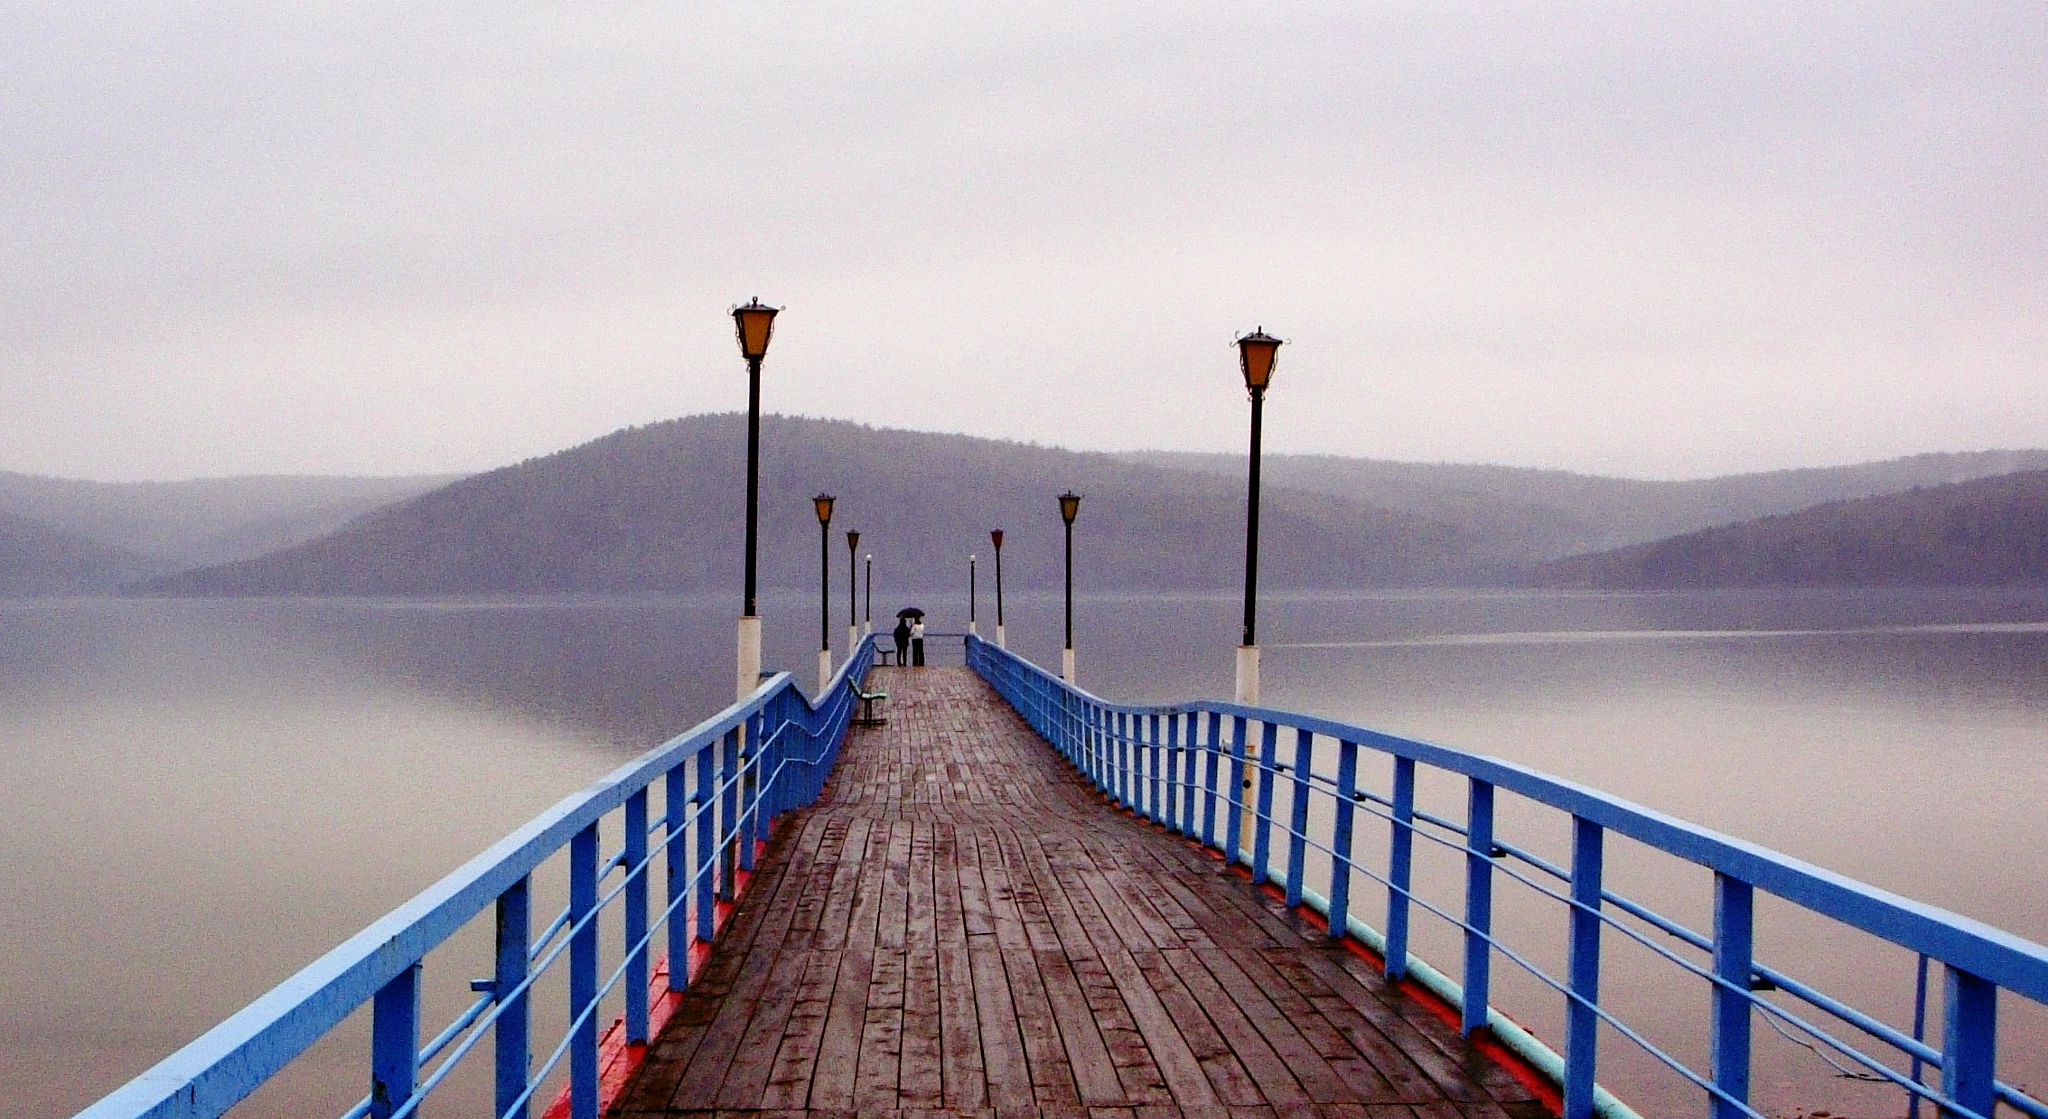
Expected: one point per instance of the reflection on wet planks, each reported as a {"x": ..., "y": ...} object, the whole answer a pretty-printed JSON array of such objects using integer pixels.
[{"x": 961, "y": 925}]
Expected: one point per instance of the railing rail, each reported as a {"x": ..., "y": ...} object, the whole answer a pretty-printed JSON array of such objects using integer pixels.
[
  {"x": 1157, "y": 762},
  {"x": 723, "y": 784}
]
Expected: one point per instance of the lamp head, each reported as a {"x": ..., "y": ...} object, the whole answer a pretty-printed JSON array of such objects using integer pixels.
[
  {"x": 1070, "y": 506},
  {"x": 852, "y": 540},
  {"x": 995, "y": 536},
  {"x": 1255, "y": 355},
  {"x": 755, "y": 322},
  {"x": 824, "y": 503}
]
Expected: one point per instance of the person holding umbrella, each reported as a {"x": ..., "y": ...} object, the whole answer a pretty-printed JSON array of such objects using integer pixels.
[{"x": 902, "y": 636}]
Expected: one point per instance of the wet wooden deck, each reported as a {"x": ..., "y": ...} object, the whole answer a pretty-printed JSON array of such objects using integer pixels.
[{"x": 962, "y": 925}]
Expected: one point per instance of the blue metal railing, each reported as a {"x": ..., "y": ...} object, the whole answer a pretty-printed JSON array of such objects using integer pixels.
[
  {"x": 1220, "y": 788},
  {"x": 724, "y": 783}
]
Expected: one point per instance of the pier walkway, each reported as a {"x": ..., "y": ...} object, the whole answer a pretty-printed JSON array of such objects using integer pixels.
[{"x": 962, "y": 924}]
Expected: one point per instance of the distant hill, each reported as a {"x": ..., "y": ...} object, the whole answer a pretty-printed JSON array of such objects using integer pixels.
[
  {"x": 1987, "y": 531},
  {"x": 1520, "y": 516},
  {"x": 38, "y": 559},
  {"x": 660, "y": 508},
  {"x": 206, "y": 520}
]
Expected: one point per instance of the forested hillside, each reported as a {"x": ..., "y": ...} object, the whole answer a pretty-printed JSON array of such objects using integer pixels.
[
  {"x": 661, "y": 508},
  {"x": 1523, "y": 516},
  {"x": 1987, "y": 531},
  {"x": 38, "y": 559}
]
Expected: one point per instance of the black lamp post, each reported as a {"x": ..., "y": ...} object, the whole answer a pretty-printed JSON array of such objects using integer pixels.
[
  {"x": 868, "y": 608},
  {"x": 972, "y": 599},
  {"x": 852, "y": 588},
  {"x": 995, "y": 537},
  {"x": 824, "y": 503},
  {"x": 1255, "y": 352},
  {"x": 754, "y": 323},
  {"x": 1070, "y": 507}
]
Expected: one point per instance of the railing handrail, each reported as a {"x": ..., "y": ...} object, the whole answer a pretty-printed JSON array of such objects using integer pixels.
[
  {"x": 1109, "y": 741},
  {"x": 221, "y": 1066}
]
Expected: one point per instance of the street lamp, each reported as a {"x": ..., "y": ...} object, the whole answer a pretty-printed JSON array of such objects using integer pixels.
[
  {"x": 1070, "y": 507},
  {"x": 1255, "y": 354},
  {"x": 995, "y": 537},
  {"x": 852, "y": 585},
  {"x": 753, "y": 323},
  {"x": 971, "y": 599},
  {"x": 867, "y": 621},
  {"x": 824, "y": 503}
]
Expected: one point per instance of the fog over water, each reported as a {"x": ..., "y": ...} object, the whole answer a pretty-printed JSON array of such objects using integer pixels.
[{"x": 205, "y": 796}]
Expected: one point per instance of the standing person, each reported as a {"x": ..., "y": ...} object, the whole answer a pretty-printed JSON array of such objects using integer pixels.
[
  {"x": 902, "y": 636},
  {"x": 917, "y": 643}
]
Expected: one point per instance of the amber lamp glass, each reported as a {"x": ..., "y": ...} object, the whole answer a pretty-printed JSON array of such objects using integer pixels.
[
  {"x": 1070, "y": 506},
  {"x": 852, "y": 537},
  {"x": 824, "y": 503},
  {"x": 755, "y": 321},
  {"x": 1255, "y": 352}
]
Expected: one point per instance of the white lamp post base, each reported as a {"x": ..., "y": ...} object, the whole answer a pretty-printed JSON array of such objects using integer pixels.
[
  {"x": 750, "y": 655},
  {"x": 824, "y": 671},
  {"x": 1067, "y": 665},
  {"x": 852, "y": 638},
  {"x": 1000, "y": 643},
  {"x": 1248, "y": 674},
  {"x": 971, "y": 631}
]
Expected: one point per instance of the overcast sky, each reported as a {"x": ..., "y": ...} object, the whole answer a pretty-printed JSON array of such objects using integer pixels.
[{"x": 1662, "y": 239}]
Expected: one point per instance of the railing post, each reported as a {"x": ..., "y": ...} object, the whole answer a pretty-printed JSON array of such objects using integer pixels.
[
  {"x": 729, "y": 817},
  {"x": 1172, "y": 771},
  {"x": 1734, "y": 943},
  {"x": 1340, "y": 840},
  {"x": 1120, "y": 767},
  {"x": 746, "y": 787},
  {"x": 1208, "y": 759},
  {"x": 704, "y": 838},
  {"x": 636, "y": 917},
  {"x": 512, "y": 1034},
  {"x": 583, "y": 974},
  {"x": 1582, "y": 1025},
  {"x": 765, "y": 749},
  {"x": 395, "y": 1043},
  {"x": 1262, "y": 821},
  {"x": 1149, "y": 777},
  {"x": 1969, "y": 1040},
  {"x": 1478, "y": 905},
  {"x": 676, "y": 857},
  {"x": 1400, "y": 867},
  {"x": 1297, "y": 818},
  {"x": 1233, "y": 830}
]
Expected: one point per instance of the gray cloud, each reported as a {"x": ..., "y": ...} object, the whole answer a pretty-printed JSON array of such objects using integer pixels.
[{"x": 1657, "y": 238}]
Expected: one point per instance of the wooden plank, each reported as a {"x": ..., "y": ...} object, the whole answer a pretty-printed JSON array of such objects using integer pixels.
[{"x": 963, "y": 927}]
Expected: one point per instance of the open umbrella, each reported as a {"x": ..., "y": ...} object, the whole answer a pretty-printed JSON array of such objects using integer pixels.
[{"x": 910, "y": 612}]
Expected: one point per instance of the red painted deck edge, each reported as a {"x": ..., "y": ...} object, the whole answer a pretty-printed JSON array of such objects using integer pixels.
[{"x": 616, "y": 1059}]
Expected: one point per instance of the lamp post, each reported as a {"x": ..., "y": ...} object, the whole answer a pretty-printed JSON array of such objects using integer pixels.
[
  {"x": 995, "y": 537},
  {"x": 868, "y": 610},
  {"x": 852, "y": 589},
  {"x": 1255, "y": 353},
  {"x": 1070, "y": 507},
  {"x": 971, "y": 599},
  {"x": 753, "y": 323},
  {"x": 824, "y": 503}
]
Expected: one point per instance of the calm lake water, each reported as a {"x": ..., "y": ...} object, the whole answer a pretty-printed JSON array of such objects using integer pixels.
[{"x": 203, "y": 796}]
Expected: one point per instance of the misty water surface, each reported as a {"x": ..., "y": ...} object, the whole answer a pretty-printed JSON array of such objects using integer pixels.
[{"x": 205, "y": 796}]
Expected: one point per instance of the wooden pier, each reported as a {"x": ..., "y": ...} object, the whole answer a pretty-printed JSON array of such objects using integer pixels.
[{"x": 961, "y": 925}]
